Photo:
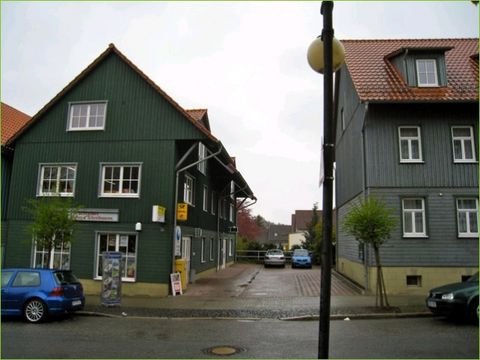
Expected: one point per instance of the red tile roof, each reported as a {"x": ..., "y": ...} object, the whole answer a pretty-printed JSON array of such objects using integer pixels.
[
  {"x": 376, "y": 79},
  {"x": 12, "y": 121}
]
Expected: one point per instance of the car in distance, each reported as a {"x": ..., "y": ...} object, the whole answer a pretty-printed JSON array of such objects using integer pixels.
[
  {"x": 458, "y": 299},
  {"x": 36, "y": 294},
  {"x": 274, "y": 257},
  {"x": 301, "y": 258}
]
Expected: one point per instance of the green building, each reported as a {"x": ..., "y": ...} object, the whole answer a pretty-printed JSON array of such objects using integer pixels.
[{"x": 125, "y": 151}]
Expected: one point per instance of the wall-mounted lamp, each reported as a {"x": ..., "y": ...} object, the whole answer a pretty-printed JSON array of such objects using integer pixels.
[{"x": 138, "y": 226}]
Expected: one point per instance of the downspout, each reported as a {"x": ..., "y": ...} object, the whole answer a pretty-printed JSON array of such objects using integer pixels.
[
  {"x": 177, "y": 174},
  {"x": 365, "y": 188}
]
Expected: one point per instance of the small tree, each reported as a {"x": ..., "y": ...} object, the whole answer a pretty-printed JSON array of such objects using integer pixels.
[
  {"x": 371, "y": 222},
  {"x": 52, "y": 222}
]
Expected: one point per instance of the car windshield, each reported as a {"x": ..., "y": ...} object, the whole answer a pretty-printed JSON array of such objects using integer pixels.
[
  {"x": 275, "y": 252},
  {"x": 300, "y": 252},
  {"x": 473, "y": 278},
  {"x": 66, "y": 277}
]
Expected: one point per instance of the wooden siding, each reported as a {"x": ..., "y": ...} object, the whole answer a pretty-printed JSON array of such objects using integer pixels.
[
  {"x": 442, "y": 247},
  {"x": 438, "y": 169},
  {"x": 349, "y": 165}
]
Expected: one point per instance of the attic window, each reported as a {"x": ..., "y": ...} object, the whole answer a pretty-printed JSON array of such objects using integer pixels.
[
  {"x": 427, "y": 73},
  {"x": 87, "y": 116}
]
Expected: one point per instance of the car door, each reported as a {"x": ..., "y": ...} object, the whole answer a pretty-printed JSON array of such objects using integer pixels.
[
  {"x": 25, "y": 283},
  {"x": 7, "y": 276}
]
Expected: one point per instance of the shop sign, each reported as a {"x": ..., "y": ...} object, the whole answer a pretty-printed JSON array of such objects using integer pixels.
[
  {"x": 96, "y": 215},
  {"x": 158, "y": 214}
]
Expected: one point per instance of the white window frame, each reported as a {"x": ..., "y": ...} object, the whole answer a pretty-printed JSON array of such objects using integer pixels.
[
  {"x": 410, "y": 215},
  {"x": 202, "y": 250},
  {"x": 211, "y": 249},
  {"x": 205, "y": 198},
  {"x": 463, "y": 144},
  {"x": 409, "y": 140},
  {"x": 467, "y": 212},
  {"x": 213, "y": 203},
  {"x": 119, "y": 239},
  {"x": 430, "y": 74},
  {"x": 189, "y": 190},
  {"x": 230, "y": 213},
  {"x": 122, "y": 181},
  {"x": 202, "y": 154},
  {"x": 88, "y": 116},
  {"x": 57, "y": 180},
  {"x": 57, "y": 256}
]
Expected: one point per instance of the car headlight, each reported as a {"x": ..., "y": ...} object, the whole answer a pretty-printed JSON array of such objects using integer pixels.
[{"x": 448, "y": 296}]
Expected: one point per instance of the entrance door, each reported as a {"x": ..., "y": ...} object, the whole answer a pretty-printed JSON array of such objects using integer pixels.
[{"x": 186, "y": 251}]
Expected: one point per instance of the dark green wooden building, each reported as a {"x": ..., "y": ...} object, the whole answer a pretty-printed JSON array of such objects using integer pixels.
[{"x": 128, "y": 154}]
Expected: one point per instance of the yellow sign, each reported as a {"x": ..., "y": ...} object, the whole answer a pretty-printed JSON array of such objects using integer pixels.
[{"x": 182, "y": 211}]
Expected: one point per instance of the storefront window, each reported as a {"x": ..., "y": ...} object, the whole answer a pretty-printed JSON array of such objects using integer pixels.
[{"x": 124, "y": 243}]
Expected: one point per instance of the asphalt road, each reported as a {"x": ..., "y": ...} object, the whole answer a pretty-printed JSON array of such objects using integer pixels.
[{"x": 141, "y": 338}]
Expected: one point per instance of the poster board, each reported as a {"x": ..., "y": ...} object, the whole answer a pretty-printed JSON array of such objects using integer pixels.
[
  {"x": 111, "y": 278},
  {"x": 176, "y": 283}
]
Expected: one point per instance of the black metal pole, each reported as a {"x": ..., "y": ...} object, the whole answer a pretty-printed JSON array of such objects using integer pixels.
[{"x": 328, "y": 155}]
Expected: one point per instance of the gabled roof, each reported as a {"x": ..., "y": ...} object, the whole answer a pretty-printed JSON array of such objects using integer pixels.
[
  {"x": 12, "y": 121},
  {"x": 113, "y": 50},
  {"x": 376, "y": 79},
  {"x": 201, "y": 116}
]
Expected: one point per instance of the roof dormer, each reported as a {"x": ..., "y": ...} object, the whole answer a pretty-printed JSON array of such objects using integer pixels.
[{"x": 421, "y": 67}]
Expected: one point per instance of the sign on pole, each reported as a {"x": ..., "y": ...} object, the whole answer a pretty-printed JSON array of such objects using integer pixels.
[{"x": 111, "y": 278}]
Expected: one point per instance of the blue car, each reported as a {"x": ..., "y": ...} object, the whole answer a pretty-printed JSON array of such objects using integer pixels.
[
  {"x": 37, "y": 293},
  {"x": 301, "y": 258}
]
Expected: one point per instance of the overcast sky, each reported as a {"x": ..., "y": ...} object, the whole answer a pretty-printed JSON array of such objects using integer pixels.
[{"x": 243, "y": 61}]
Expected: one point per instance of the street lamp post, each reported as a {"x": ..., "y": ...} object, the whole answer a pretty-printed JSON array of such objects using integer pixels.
[{"x": 321, "y": 57}]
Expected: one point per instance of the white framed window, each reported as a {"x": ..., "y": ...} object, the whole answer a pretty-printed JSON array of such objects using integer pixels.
[
  {"x": 124, "y": 243},
  {"x": 414, "y": 223},
  {"x": 202, "y": 252},
  {"x": 205, "y": 198},
  {"x": 231, "y": 212},
  {"x": 120, "y": 180},
  {"x": 427, "y": 73},
  {"x": 57, "y": 180},
  {"x": 211, "y": 249},
  {"x": 189, "y": 190},
  {"x": 87, "y": 116},
  {"x": 410, "y": 144},
  {"x": 463, "y": 144},
  {"x": 213, "y": 202},
  {"x": 59, "y": 257},
  {"x": 467, "y": 217},
  {"x": 202, "y": 154}
]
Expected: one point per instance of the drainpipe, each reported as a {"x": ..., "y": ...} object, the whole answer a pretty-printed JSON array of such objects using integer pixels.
[
  {"x": 177, "y": 174},
  {"x": 365, "y": 188}
]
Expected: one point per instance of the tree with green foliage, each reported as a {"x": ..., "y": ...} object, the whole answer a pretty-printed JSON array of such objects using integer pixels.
[
  {"x": 371, "y": 222},
  {"x": 52, "y": 222}
]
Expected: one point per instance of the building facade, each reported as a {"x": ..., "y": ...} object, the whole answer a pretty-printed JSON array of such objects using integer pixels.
[
  {"x": 130, "y": 156},
  {"x": 406, "y": 114}
]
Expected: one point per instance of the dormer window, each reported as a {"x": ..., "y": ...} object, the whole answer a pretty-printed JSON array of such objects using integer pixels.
[{"x": 427, "y": 75}]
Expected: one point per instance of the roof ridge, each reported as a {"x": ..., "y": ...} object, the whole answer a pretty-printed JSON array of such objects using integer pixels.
[{"x": 410, "y": 39}]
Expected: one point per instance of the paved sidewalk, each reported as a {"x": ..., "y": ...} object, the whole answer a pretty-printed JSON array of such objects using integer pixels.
[{"x": 220, "y": 296}]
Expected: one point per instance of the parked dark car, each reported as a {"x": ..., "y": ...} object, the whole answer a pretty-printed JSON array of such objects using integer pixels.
[
  {"x": 37, "y": 293},
  {"x": 456, "y": 300},
  {"x": 274, "y": 257},
  {"x": 301, "y": 258}
]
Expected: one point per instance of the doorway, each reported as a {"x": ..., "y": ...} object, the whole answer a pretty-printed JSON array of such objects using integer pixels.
[{"x": 186, "y": 251}]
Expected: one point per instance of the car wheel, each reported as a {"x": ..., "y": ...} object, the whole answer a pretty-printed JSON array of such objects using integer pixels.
[{"x": 35, "y": 311}]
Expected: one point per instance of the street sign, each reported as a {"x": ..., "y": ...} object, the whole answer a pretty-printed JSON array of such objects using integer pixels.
[{"x": 182, "y": 211}]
